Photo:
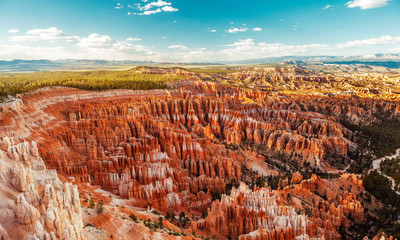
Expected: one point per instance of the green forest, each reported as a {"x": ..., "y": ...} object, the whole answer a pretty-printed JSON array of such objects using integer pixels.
[
  {"x": 391, "y": 167},
  {"x": 12, "y": 84}
]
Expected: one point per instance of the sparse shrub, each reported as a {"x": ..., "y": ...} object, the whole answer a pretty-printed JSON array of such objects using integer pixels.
[
  {"x": 133, "y": 217},
  {"x": 91, "y": 203},
  {"x": 155, "y": 212},
  {"x": 100, "y": 207}
]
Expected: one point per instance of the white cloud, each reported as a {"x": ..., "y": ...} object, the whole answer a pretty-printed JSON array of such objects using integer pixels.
[
  {"x": 239, "y": 43},
  {"x": 94, "y": 46},
  {"x": 95, "y": 40},
  {"x": 152, "y": 8},
  {"x": 18, "y": 51},
  {"x": 235, "y": 30},
  {"x": 383, "y": 40},
  {"x": 211, "y": 30},
  {"x": 133, "y": 39},
  {"x": 98, "y": 46},
  {"x": 48, "y": 34},
  {"x": 150, "y": 12},
  {"x": 169, "y": 9},
  {"x": 257, "y": 29},
  {"x": 248, "y": 48},
  {"x": 182, "y": 47},
  {"x": 251, "y": 49},
  {"x": 195, "y": 55},
  {"x": 13, "y": 31},
  {"x": 327, "y": 7},
  {"x": 367, "y": 4},
  {"x": 159, "y": 3},
  {"x": 118, "y": 6}
]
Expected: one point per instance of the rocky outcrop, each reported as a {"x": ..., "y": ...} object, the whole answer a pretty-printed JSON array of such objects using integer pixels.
[
  {"x": 247, "y": 214},
  {"x": 3, "y": 234},
  {"x": 328, "y": 201},
  {"x": 44, "y": 207},
  {"x": 353, "y": 178},
  {"x": 21, "y": 177},
  {"x": 296, "y": 178},
  {"x": 268, "y": 75},
  {"x": 26, "y": 213}
]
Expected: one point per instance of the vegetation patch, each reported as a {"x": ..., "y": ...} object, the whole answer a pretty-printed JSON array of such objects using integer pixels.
[
  {"x": 12, "y": 84},
  {"x": 391, "y": 167}
]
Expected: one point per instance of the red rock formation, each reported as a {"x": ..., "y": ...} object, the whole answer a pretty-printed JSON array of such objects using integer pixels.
[
  {"x": 175, "y": 150},
  {"x": 3, "y": 234},
  {"x": 334, "y": 207},
  {"x": 296, "y": 178},
  {"x": 277, "y": 74},
  {"x": 247, "y": 214},
  {"x": 353, "y": 178}
]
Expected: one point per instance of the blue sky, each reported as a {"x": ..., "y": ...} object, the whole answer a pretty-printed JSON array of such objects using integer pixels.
[{"x": 188, "y": 30}]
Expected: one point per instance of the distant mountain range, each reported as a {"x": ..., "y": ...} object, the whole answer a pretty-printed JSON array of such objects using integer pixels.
[
  {"x": 389, "y": 60},
  {"x": 381, "y": 57},
  {"x": 18, "y": 65}
]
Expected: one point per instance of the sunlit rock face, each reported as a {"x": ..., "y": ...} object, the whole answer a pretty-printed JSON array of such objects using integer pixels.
[
  {"x": 245, "y": 212},
  {"x": 34, "y": 203},
  {"x": 177, "y": 150},
  {"x": 276, "y": 74}
]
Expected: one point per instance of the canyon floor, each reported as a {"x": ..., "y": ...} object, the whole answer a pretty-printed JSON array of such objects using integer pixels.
[{"x": 247, "y": 153}]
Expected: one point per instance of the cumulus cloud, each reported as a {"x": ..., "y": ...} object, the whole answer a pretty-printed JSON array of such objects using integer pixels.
[
  {"x": 182, "y": 47},
  {"x": 257, "y": 29},
  {"x": 367, "y": 4},
  {"x": 327, "y": 7},
  {"x": 248, "y": 48},
  {"x": 235, "y": 30},
  {"x": 93, "y": 46},
  {"x": 159, "y": 3},
  {"x": 48, "y": 34},
  {"x": 99, "y": 46},
  {"x": 152, "y": 7},
  {"x": 169, "y": 9},
  {"x": 383, "y": 40},
  {"x": 95, "y": 40},
  {"x": 211, "y": 30},
  {"x": 13, "y": 31}
]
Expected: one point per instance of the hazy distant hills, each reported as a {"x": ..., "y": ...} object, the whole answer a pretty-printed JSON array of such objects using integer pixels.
[
  {"x": 18, "y": 65},
  {"x": 389, "y": 60},
  {"x": 386, "y": 59}
]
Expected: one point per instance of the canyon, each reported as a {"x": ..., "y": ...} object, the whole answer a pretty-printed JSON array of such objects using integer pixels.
[{"x": 79, "y": 164}]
